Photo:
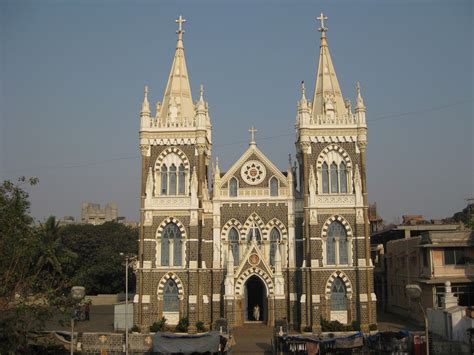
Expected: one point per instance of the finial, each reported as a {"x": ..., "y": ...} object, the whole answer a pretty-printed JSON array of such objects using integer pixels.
[
  {"x": 201, "y": 92},
  {"x": 303, "y": 90},
  {"x": 252, "y": 132},
  {"x": 180, "y": 21},
  {"x": 289, "y": 159},
  {"x": 146, "y": 91},
  {"x": 145, "y": 104},
  {"x": 360, "y": 101},
  {"x": 321, "y": 18}
]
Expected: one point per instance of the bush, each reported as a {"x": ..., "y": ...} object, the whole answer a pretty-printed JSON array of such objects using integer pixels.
[
  {"x": 307, "y": 329},
  {"x": 158, "y": 326},
  {"x": 135, "y": 328},
  {"x": 373, "y": 326},
  {"x": 336, "y": 326},
  {"x": 200, "y": 327},
  {"x": 183, "y": 325}
]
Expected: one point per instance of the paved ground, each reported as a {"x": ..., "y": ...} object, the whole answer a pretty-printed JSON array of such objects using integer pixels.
[
  {"x": 252, "y": 339},
  {"x": 389, "y": 321}
]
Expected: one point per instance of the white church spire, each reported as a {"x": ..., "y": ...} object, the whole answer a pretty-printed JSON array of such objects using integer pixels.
[
  {"x": 328, "y": 98},
  {"x": 177, "y": 107}
]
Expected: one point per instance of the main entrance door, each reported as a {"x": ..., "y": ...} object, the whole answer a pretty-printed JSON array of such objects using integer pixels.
[{"x": 255, "y": 295}]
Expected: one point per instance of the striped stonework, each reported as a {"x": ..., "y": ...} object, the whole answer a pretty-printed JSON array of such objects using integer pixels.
[
  {"x": 267, "y": 280},
  {"x": 340, "y": 219},
  {"x": 344, "y": 278},
  {"x": 175, "y": 278}
]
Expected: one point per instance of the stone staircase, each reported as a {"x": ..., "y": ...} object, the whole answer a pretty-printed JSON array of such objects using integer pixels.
[{"x": 252, "y": 338}]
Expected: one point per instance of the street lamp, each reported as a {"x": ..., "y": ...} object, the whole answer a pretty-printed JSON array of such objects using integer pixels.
[
  {"x": 129, "y": 260},
  {"x": 77, "y": 294},
  {"x": 414, "y": 293}
]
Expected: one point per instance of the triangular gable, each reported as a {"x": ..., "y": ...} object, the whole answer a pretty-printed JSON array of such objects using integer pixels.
[
  {"x": 273, "y": 170},
  {"x": 253, "y": 248}
]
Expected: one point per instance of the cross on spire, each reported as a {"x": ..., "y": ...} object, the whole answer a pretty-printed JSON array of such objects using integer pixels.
[
  {"x": 322, "y": 18},
  {"x": 252, "y": 133},
  {"x": 180, "y": 21}
]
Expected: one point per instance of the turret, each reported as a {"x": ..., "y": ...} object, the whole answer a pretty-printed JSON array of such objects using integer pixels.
[{"x": 145, "y": 113}]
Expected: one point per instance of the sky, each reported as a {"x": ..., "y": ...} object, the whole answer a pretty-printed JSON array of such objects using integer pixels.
[{"x": 72, "y": 75}]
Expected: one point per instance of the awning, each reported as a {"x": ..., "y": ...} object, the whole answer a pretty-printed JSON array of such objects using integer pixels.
[{"x": 186, "y": 343}]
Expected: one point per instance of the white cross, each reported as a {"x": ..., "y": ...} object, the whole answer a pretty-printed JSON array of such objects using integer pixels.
[
  {"x": 180, "y": 21},
  {"x": 322, "y": 18},
  {"x": 252, "y": 132}
]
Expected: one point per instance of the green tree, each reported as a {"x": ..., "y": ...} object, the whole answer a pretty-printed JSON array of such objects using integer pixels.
[
  {"x": 99, "y": 267},
  {"x": 28, "y": 293}
]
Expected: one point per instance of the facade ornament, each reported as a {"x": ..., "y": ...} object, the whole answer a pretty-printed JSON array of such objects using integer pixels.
[
  {"x": 194, "y": 189},
  {"x": 145, "y": 150},
  {"x": 149, "y": 184},
  {"x": 357, "y": 185},
  {"x": 312, "y": 187}
]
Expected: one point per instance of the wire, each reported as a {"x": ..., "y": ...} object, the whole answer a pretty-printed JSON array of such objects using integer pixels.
[{"x": 100, "y": 162}]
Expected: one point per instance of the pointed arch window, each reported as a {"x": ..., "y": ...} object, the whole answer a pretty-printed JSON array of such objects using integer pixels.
[
  {"x": 181, "y": 180},
  {"x": 275, "y": 239},
  {"x": 343, "y": 177},
  {"x": 337, "y": 244},
  {"x": 338, "y": 295},
  {"x": 234, "y": 245},
  {"x": 273, "y": 186},
  {"x": 164, "y": 179},
  {"x": 334, "y": 178},
  {"x": 170, "y": 296},
  {"x": 171, "y": 238},
  {"x": 233, "y": 186},
  {"x": 325, "y": 172},
  {"x": 173, "y": 181}
]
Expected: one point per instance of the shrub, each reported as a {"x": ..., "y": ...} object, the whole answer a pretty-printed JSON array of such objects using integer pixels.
[
  {"x": 135, "y": 328},
  {"x": 183, "y": 325},
  {"x": 307, "y": 329},
  {"x": 200, "y": 327},
  {"x": 373, "y": 326},
  {"x": 336, "y": 326},
  {"x": 158, "y": 326}
]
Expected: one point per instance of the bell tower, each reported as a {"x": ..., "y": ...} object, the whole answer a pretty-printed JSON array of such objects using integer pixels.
[
  {"x": 175, "y": 146},
  {"x": 335, "y": 249}
]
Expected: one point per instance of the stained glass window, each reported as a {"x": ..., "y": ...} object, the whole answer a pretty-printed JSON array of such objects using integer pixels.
[
  {"x": 325, "y": 172},
  {"x": 181, "y": 180},
  {"x": 273, "y": 186},
  {"x": 170, "y": 297},
  {"x": 171, "y": 234},
  {"x": 172, "y": 180},
  {"x": 234, "y": 245},
  {"x": 334, "y": 179},
  {"x": 164, "y": 180},
  {"x": 343, "y": 177},
  {"x": 338, "y": 295},
  {"x": 233, "y": 187},
  {"x": 274, "y": 240}
]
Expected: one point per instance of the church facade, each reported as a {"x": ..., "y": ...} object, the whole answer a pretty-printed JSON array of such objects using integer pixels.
[{"x": 254, "y": 243}]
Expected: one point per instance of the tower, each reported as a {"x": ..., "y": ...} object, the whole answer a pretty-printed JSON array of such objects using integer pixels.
[
  {"x": 175, "y": 147},
  {"x": 336, "y": 272}
]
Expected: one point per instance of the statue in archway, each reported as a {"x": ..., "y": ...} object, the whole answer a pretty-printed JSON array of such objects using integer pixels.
[{"x": 256, "y": 312}]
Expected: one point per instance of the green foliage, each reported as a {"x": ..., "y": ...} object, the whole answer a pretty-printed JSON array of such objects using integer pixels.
[
  {"x": 136, "y": 329},
  {"x": 99, "y": 267},
  {"x": 373, "y": 326},
  {"x": 32, "y": 280},
  {"x": 200, "y": 327},
  {"x": 336, "y": 326},
  {"x": 158, "y": 326},
  {"x": 307, "y": 329},
  {"x": 183, "y": 325}
]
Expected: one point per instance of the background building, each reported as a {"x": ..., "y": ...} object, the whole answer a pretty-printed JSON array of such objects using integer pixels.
[
  {"x": 92, "y": 213},
  {"x": 294, "y": 242}
]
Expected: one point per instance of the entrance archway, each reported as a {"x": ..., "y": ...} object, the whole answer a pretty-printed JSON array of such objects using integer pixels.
[{"x": 255, "y": 294}]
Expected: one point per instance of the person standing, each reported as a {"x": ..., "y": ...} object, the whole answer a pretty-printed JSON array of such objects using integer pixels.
[{"x": 256, "y": 312}]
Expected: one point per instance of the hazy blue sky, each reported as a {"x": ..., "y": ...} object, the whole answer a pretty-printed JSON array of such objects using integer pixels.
[{"x": 72, "y": 77}]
